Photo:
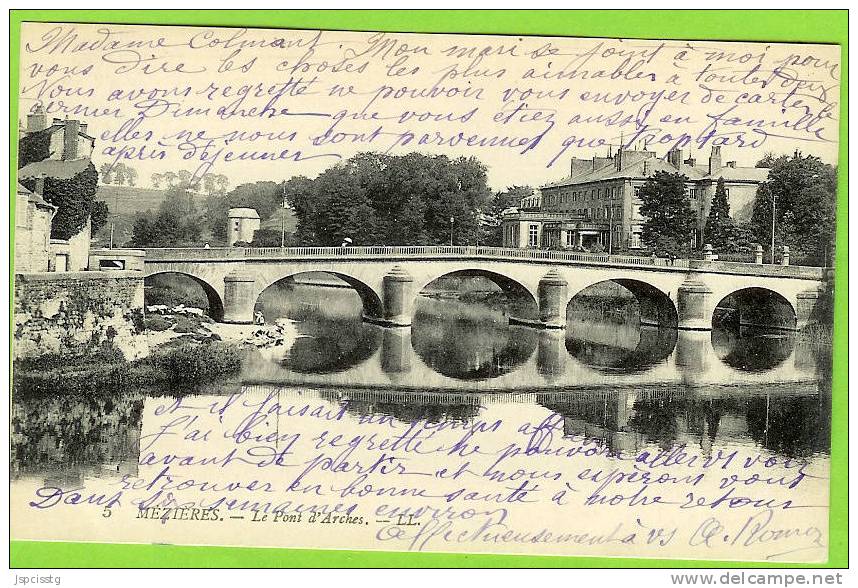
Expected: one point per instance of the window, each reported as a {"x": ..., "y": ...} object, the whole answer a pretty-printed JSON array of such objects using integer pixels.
[
  {"x": 637, "y": 191},
  {"x": 570, "y": 238},
  {"x": 533, "y": 236},
  {"x": 635, "y": 241}
]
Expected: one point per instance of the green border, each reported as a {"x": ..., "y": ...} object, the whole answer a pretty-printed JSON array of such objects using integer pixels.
[{"x": 817, "y": 26}]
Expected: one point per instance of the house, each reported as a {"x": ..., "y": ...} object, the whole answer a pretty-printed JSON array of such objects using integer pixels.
[
  {"x": 65, "y": 139},
  {"x": 243, "y": 224},
  {"x": 33, "y": 216},
  {"x": 57, "y": 151},
  {"x": 597, "y": 204}
]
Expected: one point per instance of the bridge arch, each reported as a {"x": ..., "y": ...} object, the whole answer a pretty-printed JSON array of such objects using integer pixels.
[
  {"x": 511, "y": 287},
  {"x": 656, "y": 308},
  {"x": 370, "y": 299},
  {"x": 215, "y": 300},
  {"x": 755, "y": 307}
]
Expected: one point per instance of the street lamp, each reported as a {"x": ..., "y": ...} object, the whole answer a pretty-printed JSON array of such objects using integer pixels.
[
  {"x": 774, "y": 206},
  {"x": 451, "y": 230},
  {"x": 283, "y": 220}
]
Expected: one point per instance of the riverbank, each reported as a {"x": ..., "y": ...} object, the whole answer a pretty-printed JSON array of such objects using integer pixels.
[{"x": 186, "y": 351}]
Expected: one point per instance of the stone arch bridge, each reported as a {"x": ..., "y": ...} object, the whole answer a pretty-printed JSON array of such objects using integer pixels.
[{"x": 682, "y": 294}]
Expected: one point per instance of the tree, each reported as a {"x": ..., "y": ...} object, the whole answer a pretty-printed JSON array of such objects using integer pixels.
[
  {"x": 803, "y": 190},
  {"x": 720, "y": 230},
  {"x": 105, "y": 172},
  {"x": 175, "y": 223},
  {"x": 157, "y": 179},
  {"x": 669, "y": 218},
  {"x": 391, "y": 200},
  {"x": 119, "y": 174}
]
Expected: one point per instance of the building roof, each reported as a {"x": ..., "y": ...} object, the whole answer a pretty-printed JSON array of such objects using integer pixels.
[
  {"x": 61, "y": 169},
  {"x": 642, "y": 164},
  {"x": 738, "y": 174},
  {"x": 34, "y": 197},
  {"x": 243, "y": 213},
  {"x": 56, "y": 126}
]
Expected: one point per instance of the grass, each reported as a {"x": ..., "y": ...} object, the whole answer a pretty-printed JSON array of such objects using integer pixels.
[{"x": 183, "y": 367}]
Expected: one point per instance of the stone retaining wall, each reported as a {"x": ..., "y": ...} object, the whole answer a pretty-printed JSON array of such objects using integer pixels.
[{"x": 75, "y": 311}]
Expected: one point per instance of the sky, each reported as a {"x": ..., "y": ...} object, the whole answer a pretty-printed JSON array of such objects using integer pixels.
[{"x": 269, "y": 104}]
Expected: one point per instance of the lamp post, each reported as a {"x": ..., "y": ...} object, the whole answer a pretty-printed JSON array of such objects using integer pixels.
[
  {"x": 611, "y": 230},
  {"x": 283, "y": 220},
  {"x": 774, "y": 206},
  {"x": 451, "y": 230}
]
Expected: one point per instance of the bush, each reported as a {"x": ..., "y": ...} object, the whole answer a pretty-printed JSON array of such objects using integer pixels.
[{"x": 198, "y": 363}]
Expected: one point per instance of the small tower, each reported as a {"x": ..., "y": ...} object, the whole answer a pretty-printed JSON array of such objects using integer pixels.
[{"x": 243, "y": 223}]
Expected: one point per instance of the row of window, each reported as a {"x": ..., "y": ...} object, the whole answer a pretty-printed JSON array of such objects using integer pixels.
[{"x": 582, "y": 195}]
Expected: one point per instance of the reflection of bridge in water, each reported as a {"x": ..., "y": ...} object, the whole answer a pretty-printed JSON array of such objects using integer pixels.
[
  {"x": 663, "y": 357},
  {"x": 790, "y": 419}
]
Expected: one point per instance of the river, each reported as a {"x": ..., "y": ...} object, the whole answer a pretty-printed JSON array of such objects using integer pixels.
[{"x": 625, "y": 387}]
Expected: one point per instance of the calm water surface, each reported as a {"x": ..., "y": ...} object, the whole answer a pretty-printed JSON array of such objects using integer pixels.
[{"x": 628, "y": 386}]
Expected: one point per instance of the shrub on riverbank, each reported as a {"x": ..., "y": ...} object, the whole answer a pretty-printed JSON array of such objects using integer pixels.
[{"x": 177, "y": 369}]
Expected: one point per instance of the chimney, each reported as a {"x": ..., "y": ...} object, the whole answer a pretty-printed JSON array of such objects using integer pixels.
[
  {"x": 715, "y": 160},
  {"x": 83, "y": 127},
  {"x": 57, "y": 121},
  {"x": 674, "y": 158},
  {"x": 618, "y": 158},
  {"x": 645, "y": 168},
  {"x": 691, "y": 161},
  {"x": 731, "y": 164},
  {"x": 37, "y": 120},
  {"x": 40, "y": 186},
  {"x": 71, "y": 139}
]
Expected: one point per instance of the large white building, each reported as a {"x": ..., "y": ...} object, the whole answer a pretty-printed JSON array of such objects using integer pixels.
[{"x": 597, "y": 204}]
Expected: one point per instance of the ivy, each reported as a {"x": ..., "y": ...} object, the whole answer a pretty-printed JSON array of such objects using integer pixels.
[{"x": 74, "y": 199}]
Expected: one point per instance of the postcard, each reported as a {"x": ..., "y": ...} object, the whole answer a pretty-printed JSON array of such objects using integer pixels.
[{"x": 424, "y": 292}]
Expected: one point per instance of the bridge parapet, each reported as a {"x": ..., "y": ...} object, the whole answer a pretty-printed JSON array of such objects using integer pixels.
[{"x": 495, "y": 253}]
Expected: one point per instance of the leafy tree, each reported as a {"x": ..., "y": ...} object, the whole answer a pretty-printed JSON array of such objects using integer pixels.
[
  {"x": 119, "y": 174},
  {"x": 392, "y": 200},
  {"x": 804, "y": 191},
  {"x": 271, "y": 238},
  {"x": 175, "y": 223},
  {"x": 669, "y": 218},
  {"x": 720, "y": 228},
  {"x": 157, "y": 179},
  {"x": 769, "y": 160},
  {"x": 105, "y": 172}
]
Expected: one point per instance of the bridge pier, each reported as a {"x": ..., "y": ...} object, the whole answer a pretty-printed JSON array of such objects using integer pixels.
[
  {"x": 396, "y": 351},
  {"x": 239, "y": 297},
  {"x": 552, "y": 298},
  {"x": 397, "y": 299},
  {"x": 804, "y": 307},
  {"x": 551, "y": 354},
  {"x": 694, "y": 306}
]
